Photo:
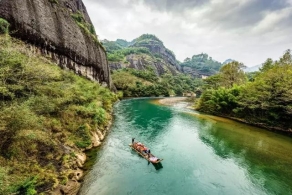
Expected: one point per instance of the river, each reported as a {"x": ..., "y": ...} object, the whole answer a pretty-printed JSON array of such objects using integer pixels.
[{"x": 202, "y": 155}]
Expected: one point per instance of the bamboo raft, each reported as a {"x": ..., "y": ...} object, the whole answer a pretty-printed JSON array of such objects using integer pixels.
[{"x": 146, "y": 155}]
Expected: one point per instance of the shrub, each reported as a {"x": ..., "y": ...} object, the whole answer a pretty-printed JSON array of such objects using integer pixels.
[{"x": 4, "y": 26}]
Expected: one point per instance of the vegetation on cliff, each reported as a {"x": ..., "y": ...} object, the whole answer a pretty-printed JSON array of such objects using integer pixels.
[
  {"x": 118, "y": 50},
  {"x": 202, "y": 64},
  {"x": 47, "y": 117},
  {"x": 4, "y": 25},
  {"x": 263, "y": 99},
  {"x": 135, "y": 83},
  {"x": 145, "y": 70}
]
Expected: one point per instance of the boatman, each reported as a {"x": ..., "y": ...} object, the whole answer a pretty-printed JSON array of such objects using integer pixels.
[{"x": 133, "y": 140}]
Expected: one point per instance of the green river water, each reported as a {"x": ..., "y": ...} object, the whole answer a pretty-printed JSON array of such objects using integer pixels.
[{"x": 202, "y": 155}]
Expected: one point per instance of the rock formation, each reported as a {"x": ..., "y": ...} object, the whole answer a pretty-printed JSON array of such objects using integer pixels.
[
  {"x": 60, "y": 29},
  {"x": 149, "y": 52}
]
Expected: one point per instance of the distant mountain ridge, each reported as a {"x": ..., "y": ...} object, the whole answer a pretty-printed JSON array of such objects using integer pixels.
[
  {"x": 149, "y": 51},
  {"x": 227, "y": 61},
  {"x": 253, "y": 68}
]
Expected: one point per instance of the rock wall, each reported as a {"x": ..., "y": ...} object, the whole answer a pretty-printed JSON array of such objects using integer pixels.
[
  {"x": 158, "y": 48},
  {"x": 49, "y": 25},
  {"x": 139, "y": 62}
]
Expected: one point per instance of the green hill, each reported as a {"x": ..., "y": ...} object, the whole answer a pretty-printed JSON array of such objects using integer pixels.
[
  {"x": 201, "y": 64},
  {"x": 145, "y": 67},
  {"x": 47, "y": 118}
]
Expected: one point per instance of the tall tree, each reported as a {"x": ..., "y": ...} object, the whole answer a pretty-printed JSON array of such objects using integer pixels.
[
  {"x": 232, "y": 73},
  {"x": 267, "y": 65}
]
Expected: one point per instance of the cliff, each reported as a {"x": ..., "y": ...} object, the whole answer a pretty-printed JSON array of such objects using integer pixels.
[
  {"x": 60, "y": 29},
  {"x": 200, "y": 65},
  {"x": 48, "y": 117},
  {"x": 141, "y": 53}
]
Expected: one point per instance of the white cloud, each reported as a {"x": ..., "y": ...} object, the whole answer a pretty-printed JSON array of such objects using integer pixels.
[{"x": 246, "y": 30}]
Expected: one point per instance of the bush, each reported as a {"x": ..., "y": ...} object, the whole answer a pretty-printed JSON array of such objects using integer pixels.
[
  {"x": 27, "y": 187},
  {"x": 4, "y": 26}
]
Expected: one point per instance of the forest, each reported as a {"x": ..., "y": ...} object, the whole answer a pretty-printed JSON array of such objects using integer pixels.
[
  {"x": 262, "y": 98},
  {"x": 145, "y": 83}
]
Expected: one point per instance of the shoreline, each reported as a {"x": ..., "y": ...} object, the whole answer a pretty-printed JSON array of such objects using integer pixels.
[
  {"x": 170, "y": 101},
  {"x": 174, "y": 100},
  {"x": 74, "y": 184}
]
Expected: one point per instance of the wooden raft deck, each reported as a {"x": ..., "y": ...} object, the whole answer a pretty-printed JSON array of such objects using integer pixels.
[{"x": 145, "y": 156}]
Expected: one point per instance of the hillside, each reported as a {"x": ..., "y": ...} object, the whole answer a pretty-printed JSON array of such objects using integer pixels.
[
  {"x": 60, "y": 29},
  {"x": 264, "y": 99},
  {"x": 141, "y": 53},
  {"x": 145, "y": 67},
  {"x": 200, "y": 64},
  {"x": 48, "y": 117}
]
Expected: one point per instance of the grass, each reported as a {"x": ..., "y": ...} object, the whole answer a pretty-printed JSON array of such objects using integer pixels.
[
  {"x": 43, "y": 109},
  {"x": 86, "y": 27}
]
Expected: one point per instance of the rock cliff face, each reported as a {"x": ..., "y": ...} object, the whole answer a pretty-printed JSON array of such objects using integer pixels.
[
  {"x": 157, "y": 47},
  {"x": 60, "y": 29},
  {"x": 141, "y": 53}
]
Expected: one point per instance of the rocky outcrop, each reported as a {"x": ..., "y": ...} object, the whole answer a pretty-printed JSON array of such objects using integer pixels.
[
  {"x": 62, "y": 30},
  {"x": 142, "y": 62},
  {"x": 157, "y": 47},
  {"x": 141, "y": 53}
]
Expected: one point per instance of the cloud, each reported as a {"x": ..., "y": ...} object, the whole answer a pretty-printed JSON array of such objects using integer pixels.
[{"x": 246, "y": 30}]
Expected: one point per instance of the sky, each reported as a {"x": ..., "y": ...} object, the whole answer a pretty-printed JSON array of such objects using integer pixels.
[{"x": 249, "y": 31}]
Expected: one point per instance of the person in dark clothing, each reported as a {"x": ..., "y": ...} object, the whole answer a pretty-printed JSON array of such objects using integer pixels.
[
  {"x": 133, "y": 140},
  {"x": 148, "y": 152}
]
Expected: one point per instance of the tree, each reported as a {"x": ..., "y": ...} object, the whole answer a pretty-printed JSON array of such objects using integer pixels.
[
  {"x": 213, "y": 82},
  {"x": 267, "y": 65},
  {"x": 232, "y": 73}
]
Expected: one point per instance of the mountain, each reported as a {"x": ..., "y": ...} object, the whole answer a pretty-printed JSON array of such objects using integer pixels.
[
  {"x": 60, "y": 29},
  {"x": 200, "y": 65},
  {"x": 227, "y": 61},
  {"x": 146, "y": 51},
  {"x": 252, "y": 68},
  {"x": 149, "y": 51}
]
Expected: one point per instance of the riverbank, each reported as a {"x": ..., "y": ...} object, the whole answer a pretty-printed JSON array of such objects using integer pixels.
[
  {"x": 245, "y": 155},
  {"x": 174, "y": 100},
  {"x": 170, "y": 101},
  {"x": 74, "y": 184},
  {"x": 49, "y": 118}
]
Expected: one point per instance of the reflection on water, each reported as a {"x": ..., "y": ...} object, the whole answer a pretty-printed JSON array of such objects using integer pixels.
[
  {"x": 157, "y": 166},
  {"x": 265, "y": 155},
  {"x": 202, "y": 155}
]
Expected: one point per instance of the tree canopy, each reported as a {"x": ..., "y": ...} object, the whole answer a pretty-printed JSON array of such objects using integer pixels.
[{"x": 265, "y": 100}]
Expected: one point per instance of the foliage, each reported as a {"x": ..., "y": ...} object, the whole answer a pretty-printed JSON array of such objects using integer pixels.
[
  {"x": 85, "y": 26},
  {"x": 135, "y": 83},
  {"x": 111, "y": 46},
  {"x": 119, "y": 55},
  {"x": 232, "y": 73},
  {"x": 146, "y": 38},
  {"x": 4, "y": 26},
  {"x": 203, "y": 64},
  {"x": 43, "y": 108},
  {"x": 54, "y": 1},
  {"x": 27, "y": 187},
  {"x": 266, "y": 99}
]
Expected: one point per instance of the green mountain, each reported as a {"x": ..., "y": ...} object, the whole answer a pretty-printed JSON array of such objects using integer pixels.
[
  {"x": 145, "y": 67},
  {"x": 200, "y": 64},
  {"x": 141, "y": 53}
]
